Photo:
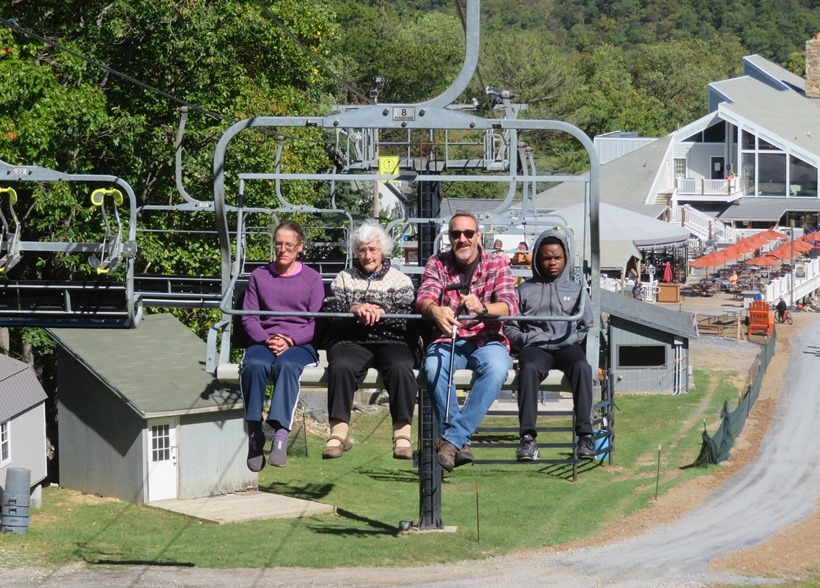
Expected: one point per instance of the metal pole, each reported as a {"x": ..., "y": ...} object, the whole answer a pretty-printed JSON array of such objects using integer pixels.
[
  {"x": 791, "y": 263},
  {"x": 376, "y": 182},
  {"x": 429, "y": 469}
]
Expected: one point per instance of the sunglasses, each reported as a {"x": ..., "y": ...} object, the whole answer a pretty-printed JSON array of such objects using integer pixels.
[{"x": 469, "y": 233}]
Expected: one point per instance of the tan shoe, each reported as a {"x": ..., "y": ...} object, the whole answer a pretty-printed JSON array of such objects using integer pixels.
[
  {"x": 334, "y": 451},
  {"x": 402, "y": 452}
]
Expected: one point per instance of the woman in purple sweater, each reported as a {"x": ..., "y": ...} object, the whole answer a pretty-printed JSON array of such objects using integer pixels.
[{"x": 281, "y": 345}]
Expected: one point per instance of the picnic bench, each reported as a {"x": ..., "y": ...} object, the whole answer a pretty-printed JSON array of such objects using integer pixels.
[
  {"x": 718, "y": 325},
  {"x": 706, "y": 288}
]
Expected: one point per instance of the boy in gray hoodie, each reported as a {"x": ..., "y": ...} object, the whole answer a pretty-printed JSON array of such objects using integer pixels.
[{"x": 544, "y": 345}]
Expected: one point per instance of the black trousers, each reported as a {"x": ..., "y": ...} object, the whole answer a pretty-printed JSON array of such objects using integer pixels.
[
  {"x": 534, "y": 365},
  {"x": 347, "y": 365}
]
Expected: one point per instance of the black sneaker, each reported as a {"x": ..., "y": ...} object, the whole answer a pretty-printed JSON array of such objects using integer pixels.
[
  {"x": 586, "y": 447},
  {"x": 527, "y": 449},
  {"x": 256, "y": 444}
]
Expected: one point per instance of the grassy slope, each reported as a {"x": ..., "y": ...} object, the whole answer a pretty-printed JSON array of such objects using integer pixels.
[{"x": 520, "y": 507}]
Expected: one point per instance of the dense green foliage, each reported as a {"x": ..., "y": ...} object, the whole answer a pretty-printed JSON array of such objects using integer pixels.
[
  {"x": 622, "y": 65},
  {"x": 228, "y": 60},
  {"x": 603, "y": 65}
]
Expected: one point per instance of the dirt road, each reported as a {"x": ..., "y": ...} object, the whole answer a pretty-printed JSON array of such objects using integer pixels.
[{"x": 780, "y": 488}]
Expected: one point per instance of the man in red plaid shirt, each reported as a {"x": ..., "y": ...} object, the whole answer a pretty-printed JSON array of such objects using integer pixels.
[{"x": 469, "y": 280}]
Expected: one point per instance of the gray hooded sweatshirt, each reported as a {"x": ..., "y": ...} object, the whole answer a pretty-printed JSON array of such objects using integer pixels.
[{"x": 539, "y": 296}]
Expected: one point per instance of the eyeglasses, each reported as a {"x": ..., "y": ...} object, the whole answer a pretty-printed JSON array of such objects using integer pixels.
[
  {"x": 469, "y": 233},
  {"x": 285, "y": 246},
  {"x": 366, "y": 250}
]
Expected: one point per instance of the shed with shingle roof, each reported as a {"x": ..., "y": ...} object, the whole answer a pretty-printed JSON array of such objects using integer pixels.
[
  {"x": 23, "y": 442},
  {"x": 140, "y": 420},
  {"x": 648, "y": 345}
]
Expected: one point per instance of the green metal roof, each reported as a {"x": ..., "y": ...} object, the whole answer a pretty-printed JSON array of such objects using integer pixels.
[{"x": 156, "y": 368}]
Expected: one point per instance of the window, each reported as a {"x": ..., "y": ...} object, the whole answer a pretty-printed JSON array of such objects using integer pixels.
[
  {"x": 749, "y": 173},
  {"x": 802, "y": 178},
  {"x": 5, "y": 444},
  {"x": 715, "y": 134},
  {"x": 160, "y": 443},
  {"x": 641, "y": 356},
  {"x": 680, "y": 168},
  {"x": 771, "y": 174}
]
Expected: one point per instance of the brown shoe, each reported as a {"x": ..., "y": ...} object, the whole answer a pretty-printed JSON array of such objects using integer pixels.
[
  {"x": 445, "y": 453},
  {"x": 464, "y": 456},
  {"x": 334, "y": 451},
  {"x": 402, "y": 452}
]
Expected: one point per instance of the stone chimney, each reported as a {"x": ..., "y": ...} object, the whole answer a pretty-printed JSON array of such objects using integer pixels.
[{"x": 813, "y": 67}]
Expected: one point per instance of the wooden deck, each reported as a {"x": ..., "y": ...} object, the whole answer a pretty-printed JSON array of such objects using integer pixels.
[{"x": 244, "y": 506}]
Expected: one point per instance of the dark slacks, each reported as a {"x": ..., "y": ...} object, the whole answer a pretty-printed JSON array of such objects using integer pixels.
[
  {"x": 347, "y": 365},
  {"x": 534, "y": 365},
  {"x": 260, "y": 364}
]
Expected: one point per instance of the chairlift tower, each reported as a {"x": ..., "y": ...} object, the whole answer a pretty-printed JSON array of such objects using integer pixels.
[{"x": 437, "y": 143}]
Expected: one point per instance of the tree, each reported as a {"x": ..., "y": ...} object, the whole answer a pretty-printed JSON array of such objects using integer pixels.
[
  {"x": 418, "y": 53},
  {"x": 228, "y": 59},
  {"x": 536, "y": 72},
  {"x": 676, "y": 74}
]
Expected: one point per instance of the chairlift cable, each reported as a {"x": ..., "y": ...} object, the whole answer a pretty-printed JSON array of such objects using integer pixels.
[{"x": 11, "y": 23}]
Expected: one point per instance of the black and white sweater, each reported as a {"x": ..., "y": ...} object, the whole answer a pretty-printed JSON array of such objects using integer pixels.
[{"x": 387, "y": 288}]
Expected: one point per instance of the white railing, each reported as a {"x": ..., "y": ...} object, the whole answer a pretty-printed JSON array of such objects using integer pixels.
[
  {"x": 610, "y": 284},
  {"x": 650, "y": 291},
  {"x": 703, "y": 225},
  {"x": 706, "y": 187},
  {"x": 808, "y": 282}
]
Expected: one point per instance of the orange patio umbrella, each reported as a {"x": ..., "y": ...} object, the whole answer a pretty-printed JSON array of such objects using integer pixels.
[
  {"x": 708, "y": 260},
  {"x": 772, "y": 234},
  {"x": 814, "y": 236},
  {"x": 754, "y": 241},
  {"x": 737, "y": 250},
  {"x": 764, "y": 260},
  {"x": 785, "y": 250},
  {"x": 779, "y": 253}
]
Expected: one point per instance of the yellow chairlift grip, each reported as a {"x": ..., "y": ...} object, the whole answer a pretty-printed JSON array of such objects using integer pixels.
[
  {"x": 12, "y": 195},
  {"x": 98, "y": 195}
]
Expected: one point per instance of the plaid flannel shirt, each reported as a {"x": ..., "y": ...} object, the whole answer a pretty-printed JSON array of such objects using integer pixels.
[{"x": 492, "y": 282}]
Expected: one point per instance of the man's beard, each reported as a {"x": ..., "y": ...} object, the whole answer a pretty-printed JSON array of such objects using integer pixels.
[{"x": 464, "y": 254}]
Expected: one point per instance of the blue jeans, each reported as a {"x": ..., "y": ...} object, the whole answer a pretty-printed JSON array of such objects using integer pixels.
[
  {"x": 489, "y": 364},
  {"x": 259, "y": 365}
]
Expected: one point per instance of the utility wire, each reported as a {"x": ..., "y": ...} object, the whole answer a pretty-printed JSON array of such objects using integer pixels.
[
  {"x": 310, "y": 54},
  {"x": 12, "y": 24}
]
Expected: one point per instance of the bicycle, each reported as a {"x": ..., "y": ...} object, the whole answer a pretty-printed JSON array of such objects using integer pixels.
[{"x": 786, "y": 318}]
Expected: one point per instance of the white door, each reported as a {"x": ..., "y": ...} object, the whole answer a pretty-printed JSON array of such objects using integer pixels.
[{"x": 162, "y": 459}]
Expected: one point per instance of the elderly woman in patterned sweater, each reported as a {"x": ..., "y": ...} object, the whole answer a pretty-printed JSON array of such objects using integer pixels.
[{"x": 370, "y": 289}]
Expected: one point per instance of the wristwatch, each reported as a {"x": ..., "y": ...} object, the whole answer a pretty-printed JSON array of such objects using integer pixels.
[{"x": 484, "y": 310}]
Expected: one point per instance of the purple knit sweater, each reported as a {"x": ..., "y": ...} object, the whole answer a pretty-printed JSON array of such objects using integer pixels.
[{"x": 299, "y": 292}]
